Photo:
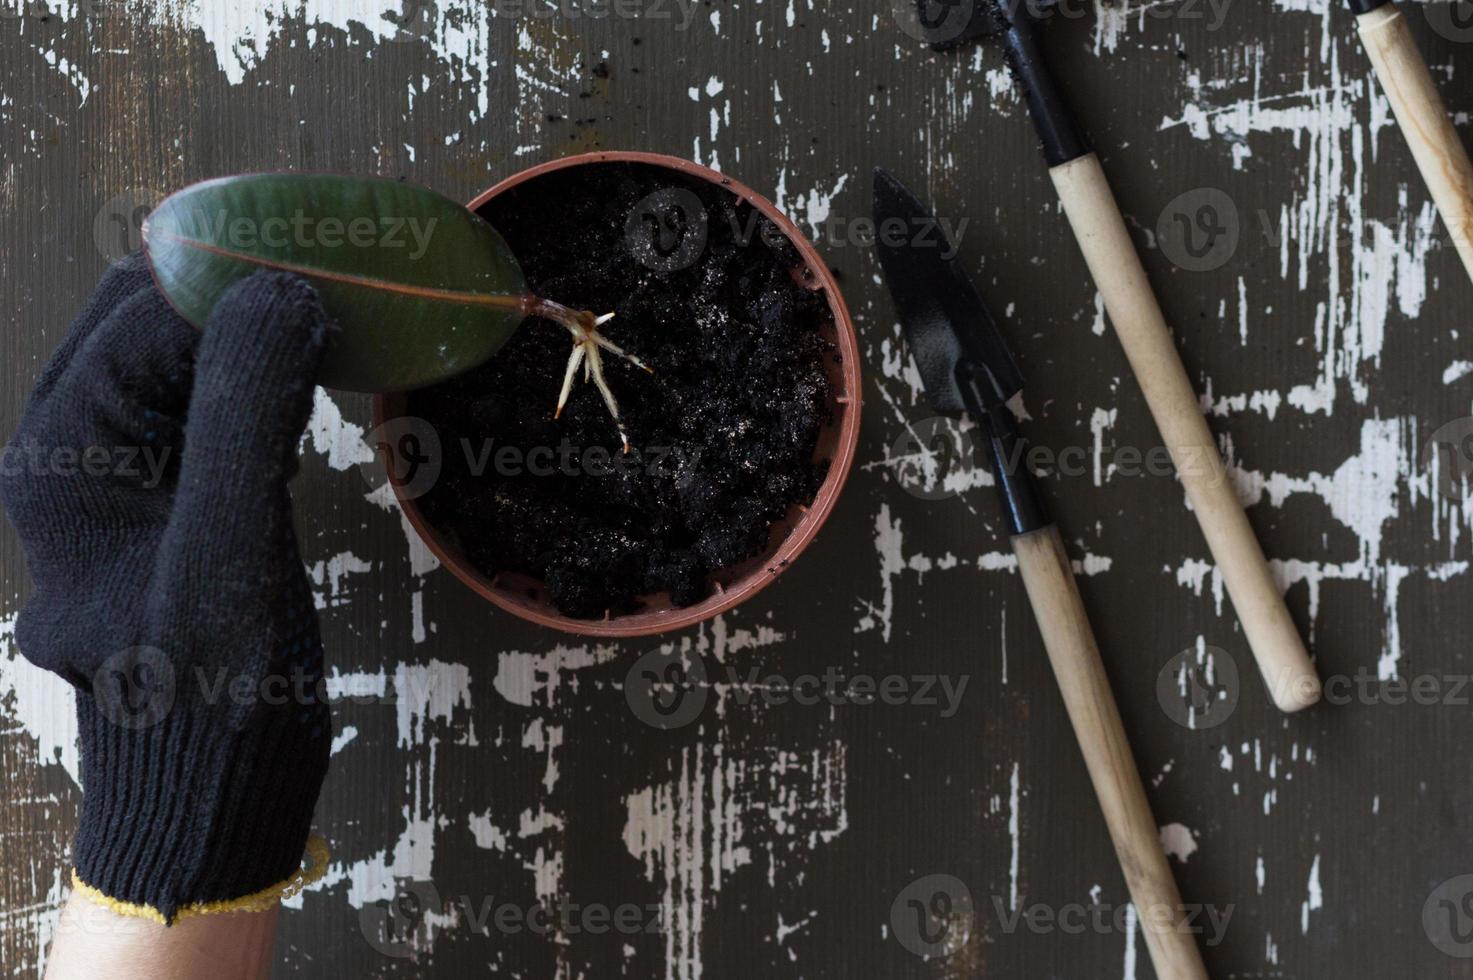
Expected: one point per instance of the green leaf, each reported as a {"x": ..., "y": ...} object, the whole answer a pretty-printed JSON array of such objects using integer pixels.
[{"x": 422, "y": 288}]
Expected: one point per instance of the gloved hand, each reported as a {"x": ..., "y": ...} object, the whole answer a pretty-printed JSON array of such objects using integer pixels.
[{"x": 148, "y": 484}]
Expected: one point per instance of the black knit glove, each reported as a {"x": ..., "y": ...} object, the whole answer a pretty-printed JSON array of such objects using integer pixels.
[{"x": 148, "y": 484}]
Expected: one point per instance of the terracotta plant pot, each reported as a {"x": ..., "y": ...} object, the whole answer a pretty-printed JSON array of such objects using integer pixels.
[{"x": 527, "y": 597}]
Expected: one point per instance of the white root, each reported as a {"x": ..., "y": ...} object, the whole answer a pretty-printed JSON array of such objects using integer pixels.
[
  {"x": 587, "y": 342},
  {"x": 562, "y": 399},
  {"x": 595, "y": 360},
  {"x": 614, "y": 348}
]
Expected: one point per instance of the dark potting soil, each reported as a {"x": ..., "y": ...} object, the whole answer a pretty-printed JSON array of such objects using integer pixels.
[{"x": 722, "y": 434}]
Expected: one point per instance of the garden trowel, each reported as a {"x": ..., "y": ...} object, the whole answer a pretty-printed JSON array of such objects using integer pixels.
[{"x": 965, "y": 367}]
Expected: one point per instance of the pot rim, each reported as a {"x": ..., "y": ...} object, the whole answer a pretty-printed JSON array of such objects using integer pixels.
[{"x": 758, "y": 573}]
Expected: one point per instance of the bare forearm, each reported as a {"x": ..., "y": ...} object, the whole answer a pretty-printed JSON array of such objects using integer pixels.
[{"x": 93, "y": 942}]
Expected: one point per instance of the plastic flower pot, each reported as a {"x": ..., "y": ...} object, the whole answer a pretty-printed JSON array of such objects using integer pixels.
[{"x": 527, "y": 597}]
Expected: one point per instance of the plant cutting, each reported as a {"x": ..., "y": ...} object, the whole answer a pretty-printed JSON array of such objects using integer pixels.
[
  {"x": 421, "y": 288},
  {"x": 714, "y": 428}
]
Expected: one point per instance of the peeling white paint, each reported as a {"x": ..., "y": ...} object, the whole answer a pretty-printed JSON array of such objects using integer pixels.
[
  {"x": 40, "y": 703},
  {"x": 435, "y": 691},
  {"x": 534, "y": 678},
  {"x": 1178, "y": 841},
  {"x": 695, "y": 831},
  {"x": 1315, "y": 900},
  {"x": 332, "y": 436},
  {"x": 331, "y": 577},
  {"x": 341, "y": 740},
  {"x": 1015, "y": 835},
  {"x": 1456, "y": 371}
]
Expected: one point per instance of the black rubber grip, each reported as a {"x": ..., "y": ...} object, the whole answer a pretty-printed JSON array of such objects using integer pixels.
[{"x": 1058, "y": 130}]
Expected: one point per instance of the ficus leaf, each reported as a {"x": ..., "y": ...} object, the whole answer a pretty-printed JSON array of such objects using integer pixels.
[{"x": 421, "y": 287}]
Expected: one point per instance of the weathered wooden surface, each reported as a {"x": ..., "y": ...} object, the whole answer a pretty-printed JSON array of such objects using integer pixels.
[{"x": 774, "y": 840}]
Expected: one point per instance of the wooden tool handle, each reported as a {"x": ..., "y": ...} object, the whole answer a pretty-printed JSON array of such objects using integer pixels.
[
  {"x": 1076, "y": 661},
  {"x": 1132, "y": 306},
  {"x": 1424, "y": 121}
]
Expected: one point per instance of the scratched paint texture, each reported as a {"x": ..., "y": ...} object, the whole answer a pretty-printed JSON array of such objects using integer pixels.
[{"x": 480, "y": 757}]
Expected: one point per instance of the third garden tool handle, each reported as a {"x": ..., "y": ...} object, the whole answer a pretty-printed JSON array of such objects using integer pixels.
[
  {"x": 1070, "y": 642},
  {"x": 1132, "y": 306},
  {"x": 1424, "y": 121}
]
